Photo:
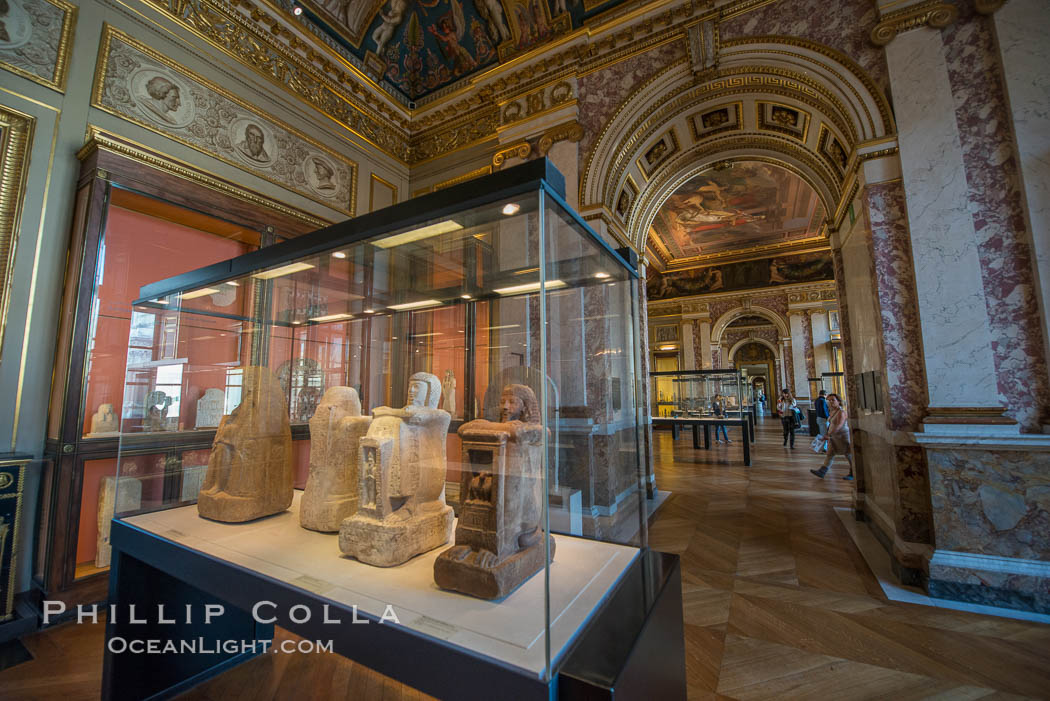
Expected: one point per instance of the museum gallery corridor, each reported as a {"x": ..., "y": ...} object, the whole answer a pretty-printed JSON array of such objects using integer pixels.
[{"x": 778, "y": 603}]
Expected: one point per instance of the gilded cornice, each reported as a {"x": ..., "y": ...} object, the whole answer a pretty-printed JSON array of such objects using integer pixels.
[
  {"x": 802, "y": 291},
  {"x": 987, "y": 7},
  {"x": 933, "y": 13}
]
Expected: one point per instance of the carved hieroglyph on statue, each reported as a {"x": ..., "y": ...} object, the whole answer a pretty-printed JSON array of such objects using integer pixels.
[
  {"x": 499, "y": 542},
  {"x": 104, "y": 420},
  {"x": 336, "y": 430},
  {"x": 402, "y": 463},
  {"x": 250, "y": 470},
  {"x": 209, "y": 408},
  {"x": 114, "y": 496}
]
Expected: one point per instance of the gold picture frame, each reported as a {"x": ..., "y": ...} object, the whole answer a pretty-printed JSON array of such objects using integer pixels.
[
  {"x": 54, "y": 46},
  {"x": 16, "y": 137}
]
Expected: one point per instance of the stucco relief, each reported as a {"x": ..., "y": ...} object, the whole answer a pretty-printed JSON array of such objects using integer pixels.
[
  {"x": 143, "y": 87},
  {"x": 34, "y": 35},
  {"x": 993, "y": 179}
]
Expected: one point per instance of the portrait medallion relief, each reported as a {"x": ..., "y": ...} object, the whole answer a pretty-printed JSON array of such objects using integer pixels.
[
  {"x": 161, "y": 97},
  {"x": 320, "y": 175},
  {"x": 252, "y": 141}
]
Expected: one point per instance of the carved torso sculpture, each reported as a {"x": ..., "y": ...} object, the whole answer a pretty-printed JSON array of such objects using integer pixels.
[
  {"x": 448, "y": 391},
  {"x": 499, "y": 542},
  {"x": 104, "y": 420},
  {"x": 402, "y": 481},
  {"x": 332, "y": 489},
  {"x": 250, "y": 471}
]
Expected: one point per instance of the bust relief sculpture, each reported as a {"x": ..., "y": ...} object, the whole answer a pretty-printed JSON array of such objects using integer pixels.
[
  {"x": 402, "y": 481},
  {"x": 499, "y": 541}
]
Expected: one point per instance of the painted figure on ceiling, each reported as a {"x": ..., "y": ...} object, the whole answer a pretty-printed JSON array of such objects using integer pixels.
[
  {"x": 392, "y": 16},
  {"x": 492, "y": 12},
  {"x": 448, "y": 32}
]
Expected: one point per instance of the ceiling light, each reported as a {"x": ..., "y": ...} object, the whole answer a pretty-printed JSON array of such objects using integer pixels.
[
  {"x": 466, "y": 297},
  {"x": 231, "y": 283},
  {"x": 529, "y": 287},
  {"x": 339, "y": 254},
  {"x": 370, "y": 311},
  {"x": 496, "y": 328},
  {"x": 297, "y": 10},
  {"x": 160, "y": 301},
  {"x": 203, "y": 292},
  {"x": 427, "y": 335},
  {"x": 512, "y": 208},
  {"x": 416, "y": 305},
  {"x": 601, "y": 276},
  {"x": 331, "y": 317},
  {"x": 667, "y": 348},
  {"x": 497, "y": 347},
  {"x": 419, "y": 234},
  {"x": 282, "y": 271}
]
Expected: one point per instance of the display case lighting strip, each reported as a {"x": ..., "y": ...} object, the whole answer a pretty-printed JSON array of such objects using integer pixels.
[
  {"x": 529, "y": 287},
  {"x": 416, "y": 305},
  {"x": 497, "y": 328},
  {"x": 203, "y": 292},
  {"x": 424, "y": 232},
  {"x": 427, "y": 335},
  {"x": 282, "y": 271},
  {"x": 331, "y": 317}
]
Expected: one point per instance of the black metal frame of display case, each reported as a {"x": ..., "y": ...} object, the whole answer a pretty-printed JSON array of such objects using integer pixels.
[{"x": 752, "y": 410}]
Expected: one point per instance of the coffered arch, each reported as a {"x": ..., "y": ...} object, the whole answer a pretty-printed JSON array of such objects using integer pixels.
[
  {"x": 790, "y": 102},
  {"x": 723, "y": 322},
  {"x": 754, "y": 339}
]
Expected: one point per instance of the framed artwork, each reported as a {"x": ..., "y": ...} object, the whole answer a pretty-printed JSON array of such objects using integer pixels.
[
  {"x": 16, "y": 135},
  {"x": 625, "y": 200},
  {"x": 35, "y": 39},
  {"x": 665, "y": 334},
  {"x": 783, "y": 119},
  {"x": 658, "y": 152},
  {"x": 832, "y": 150},
  {"x": 714, "y": 120}
]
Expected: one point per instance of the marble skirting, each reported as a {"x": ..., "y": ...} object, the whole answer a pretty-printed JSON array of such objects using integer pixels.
[{"x": 991, "y": 581}]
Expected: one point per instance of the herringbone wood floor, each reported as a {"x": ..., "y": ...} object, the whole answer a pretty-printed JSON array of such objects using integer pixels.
[{"x": 777, "y": 604}]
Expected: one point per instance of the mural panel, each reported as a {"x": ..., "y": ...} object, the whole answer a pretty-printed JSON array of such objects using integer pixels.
[
  {"x": 141, "y": 86},
  {"x": 744, "y": 207},
  {"x": 35, "y": 39},
  {"x": 766, "y": 272}
]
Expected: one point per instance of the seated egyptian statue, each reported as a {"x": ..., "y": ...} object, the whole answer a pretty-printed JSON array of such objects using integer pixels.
[
  {"x": 104, "y": 420},
  {"x": 499, "y": 542},
  {"x": 336, "y": 429},
  {"x": 402, "y": 510},
  {"x": 250, "y": 470}
]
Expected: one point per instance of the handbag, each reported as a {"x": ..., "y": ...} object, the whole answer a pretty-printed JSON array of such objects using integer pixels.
[{"x": 817, "y": 444}]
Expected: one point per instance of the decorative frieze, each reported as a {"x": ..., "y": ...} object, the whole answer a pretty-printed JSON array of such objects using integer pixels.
[
  {"x": 933, "y": 13},
  {"x": 36, "y": 41}
]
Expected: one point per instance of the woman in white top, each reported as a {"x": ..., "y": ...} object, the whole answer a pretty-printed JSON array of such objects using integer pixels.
[
  {"x": 838, "y": 437},
  {"x": 786, "y": 412}
]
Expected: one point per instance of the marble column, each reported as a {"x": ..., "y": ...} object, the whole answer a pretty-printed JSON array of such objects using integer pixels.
[
  {"x": 797, "y": 322},
  {"x": 960, "y": 369},
  {"x": 704, "y": 328},
  {"x": 787, "y": 366},
  {"x": 1021, "y": 29},
  {"x": 820, "y": 332},
  {"x": 688, "y": 347}
]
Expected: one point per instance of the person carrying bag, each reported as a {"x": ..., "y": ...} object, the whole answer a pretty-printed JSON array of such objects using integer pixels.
[
  {"x": 838, "y": 437},
  {"x": 786, "y": 412}
]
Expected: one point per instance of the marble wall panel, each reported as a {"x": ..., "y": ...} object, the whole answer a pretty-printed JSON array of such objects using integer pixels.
[
  {"x": 807, "y": 347},
  {"x": 914, "y": 517},
  {"x": 894, "y": 282},
  {"x": 602, "y": 92},
  {"x": 847, "y": 29},
  {"x": 960, "y": 371},
  {"x": 994, "y": 190},
  {"x": 993, "y": 502}
]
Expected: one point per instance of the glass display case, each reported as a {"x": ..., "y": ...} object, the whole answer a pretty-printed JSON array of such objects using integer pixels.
[
  {"x": 473, "y": 348},
  {"x": 690, "y": 393}
]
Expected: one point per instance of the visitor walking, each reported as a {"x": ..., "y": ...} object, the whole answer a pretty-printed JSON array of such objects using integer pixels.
[
  {"x": 838, "y": 437},
  {"x": 786, "y": 412},
  {"x": 717, "y": 408},
  {"x": 822, "y": 417}
]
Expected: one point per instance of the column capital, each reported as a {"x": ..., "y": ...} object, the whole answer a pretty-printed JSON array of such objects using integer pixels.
[
  {"x": 930, "y": 13},
  {"x": 987, "y": 7}
]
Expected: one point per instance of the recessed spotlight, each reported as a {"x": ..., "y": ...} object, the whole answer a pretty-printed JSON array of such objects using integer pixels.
[
  {"x": 370, "y": 311},
  {"x": 339, "y": 254},
  {"x": 297, "y": 10},
  {"x": 466, "y": 297},
  {"x": 511, "y": 208},
  {"x": 601, "y": 276}
]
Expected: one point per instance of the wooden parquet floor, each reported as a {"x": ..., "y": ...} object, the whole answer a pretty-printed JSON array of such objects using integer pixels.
[{"x": 778, "y": 604}]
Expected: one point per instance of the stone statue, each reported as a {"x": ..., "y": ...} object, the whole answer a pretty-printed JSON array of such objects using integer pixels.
[
  {"x": 332, "y": 489},
  {"x": 499, "y": 541},
  {"x": 402, "y": 481},
  {"x": 209, "y": 408},
  {"x": 250, "y": 471},
  {"x": 157, "y": 403},
  {"x": 448, "y": 392},
  {"x": 115, "y": 495},
  {"x": 105, "y": 420}
]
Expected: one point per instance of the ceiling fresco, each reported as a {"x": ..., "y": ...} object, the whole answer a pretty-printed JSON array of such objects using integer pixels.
[
  {"x": 744, "y": 207},
  {"x": 421, "y": 46}
]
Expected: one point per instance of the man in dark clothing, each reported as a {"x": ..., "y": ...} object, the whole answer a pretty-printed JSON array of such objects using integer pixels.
[{"x": 822, "y": 417}]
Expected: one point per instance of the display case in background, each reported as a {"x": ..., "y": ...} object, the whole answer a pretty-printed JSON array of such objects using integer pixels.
[
  {"x": 138, "y": 216},
  {"x": 690, "y": 393},
  {"x": 484, "y": 329}
]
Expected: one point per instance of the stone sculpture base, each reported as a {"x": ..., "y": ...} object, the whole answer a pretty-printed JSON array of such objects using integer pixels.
[
  {"x": 230, "y": 509},
  {"x": 496, "y": 582},
  {"x": 326, "y": 516},
  {"x": 388, "y": 543}
]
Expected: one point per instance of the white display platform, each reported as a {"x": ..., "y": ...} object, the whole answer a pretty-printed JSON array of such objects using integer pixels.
[{"x": 512, "y": 630}]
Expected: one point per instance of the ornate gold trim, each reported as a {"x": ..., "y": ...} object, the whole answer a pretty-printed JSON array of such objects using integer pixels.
[
  {"x": 20, "y": 465},
  {"x": 99, "y": 138},
  {"x": 987, "y": 7},
  {"x": 484, "y": 170},
  {"x": 109, "y": 33},
  {"x": 65, "y": 46},
  {"x": 762, "y": 125},
  {"x": 737, "y": 106},
  {"x": 567, "y": 131},
  {"x": 372, "y": 180},
  {"x": 932, "y": 12},
  {"x": 675, "y": 148},
  {"x": 16, "y": 138},
  {"x": 521, "y": 151}
]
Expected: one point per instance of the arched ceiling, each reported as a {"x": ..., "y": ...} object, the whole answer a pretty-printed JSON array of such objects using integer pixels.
[
  {"x": 418, "y": 47},
  {"x": 750, "y": 320},
  {"x": 740, "y": 206}
]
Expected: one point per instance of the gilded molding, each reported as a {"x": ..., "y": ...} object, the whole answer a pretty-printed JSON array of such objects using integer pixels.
[
  {"x": 987, "y": 7},
  {"x": 99, "y": 139},
  {"x": 522, "y": 151},
  {"x": 16, "y": 138},
  {"x": 569, "y": 131},
  {"x": 547, "y": 99},
  {"x": 372, "y": 180},
  {"x": 484, "y": 170},
  {"x": 933, "y": 13},
  {"x": 17, "y": 58}
]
